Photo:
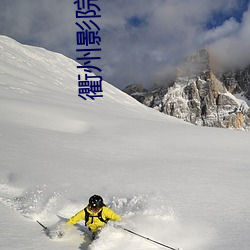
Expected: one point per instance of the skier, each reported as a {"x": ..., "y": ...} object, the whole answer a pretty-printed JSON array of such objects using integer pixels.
[{"x": 95, "y": 214}]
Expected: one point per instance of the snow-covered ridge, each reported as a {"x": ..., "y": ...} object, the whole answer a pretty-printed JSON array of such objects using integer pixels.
[
  {"x": 35, "y": 66},
  {"x": 29, "y": 74}
]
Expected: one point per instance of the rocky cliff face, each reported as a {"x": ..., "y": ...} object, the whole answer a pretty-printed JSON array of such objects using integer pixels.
[
  {"x": 201, "y": 97},
  {"x": 237, "y": 81}
]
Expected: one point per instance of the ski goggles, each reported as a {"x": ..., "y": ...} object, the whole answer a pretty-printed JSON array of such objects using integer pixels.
[{"x": 94, "y": 208}]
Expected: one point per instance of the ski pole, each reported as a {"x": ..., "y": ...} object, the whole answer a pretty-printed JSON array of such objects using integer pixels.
[
  {"x": 146, "y": 238},
  {"x": 45, "y": 228}
]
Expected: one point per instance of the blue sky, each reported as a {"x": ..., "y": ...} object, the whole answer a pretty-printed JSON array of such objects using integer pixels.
[
  {"x": 218, "y": 17},
  {"x": 142, "y": 41}
]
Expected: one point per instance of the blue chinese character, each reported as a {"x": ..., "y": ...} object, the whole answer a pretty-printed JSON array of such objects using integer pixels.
[
  {"x": 87, "y": 37},
  {"x": 86, "y": 86},
  {"x": 86, "y": 5},
  {"x": 82, "y": 4}
]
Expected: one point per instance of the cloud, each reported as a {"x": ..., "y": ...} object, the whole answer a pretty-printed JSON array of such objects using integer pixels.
[
  {"x": 233, "y": 49},
  {"x": 46, "y": 23},
  {"x": 170, "y": 31},
  {"x": 142, "y": 40},
  {"x": 228, "y": 28}
]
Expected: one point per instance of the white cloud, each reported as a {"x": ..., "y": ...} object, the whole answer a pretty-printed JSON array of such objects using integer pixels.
[
  {"x": 228, "y": 28},
  {"x": 173, "y": 30},
  {"x": 233, "y": 50},
  {"x": 170, "y": 31}
]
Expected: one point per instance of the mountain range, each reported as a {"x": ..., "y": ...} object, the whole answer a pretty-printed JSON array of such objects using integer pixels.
[{"x": 202, "y": 94}]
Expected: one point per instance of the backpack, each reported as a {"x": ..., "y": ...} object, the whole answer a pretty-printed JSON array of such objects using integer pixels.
[{"x": 88, "y": 216}]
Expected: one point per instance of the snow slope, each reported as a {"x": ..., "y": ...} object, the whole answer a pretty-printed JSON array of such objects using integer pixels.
[{"x": 176, "y": 183}]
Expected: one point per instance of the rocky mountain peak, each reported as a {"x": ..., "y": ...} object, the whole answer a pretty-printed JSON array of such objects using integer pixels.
[
  {"x": 194, "y": 65},
  {"x": 202, "y": 97}
]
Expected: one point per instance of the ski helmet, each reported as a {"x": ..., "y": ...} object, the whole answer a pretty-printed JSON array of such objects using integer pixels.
[{"x": 95, "y": 202}]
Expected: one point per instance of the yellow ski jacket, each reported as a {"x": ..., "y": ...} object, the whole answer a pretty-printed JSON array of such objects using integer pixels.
[{"x": 94, "y": 223}]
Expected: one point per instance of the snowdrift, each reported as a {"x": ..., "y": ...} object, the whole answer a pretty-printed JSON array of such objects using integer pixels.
[{"x": 182, "y": 185}]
